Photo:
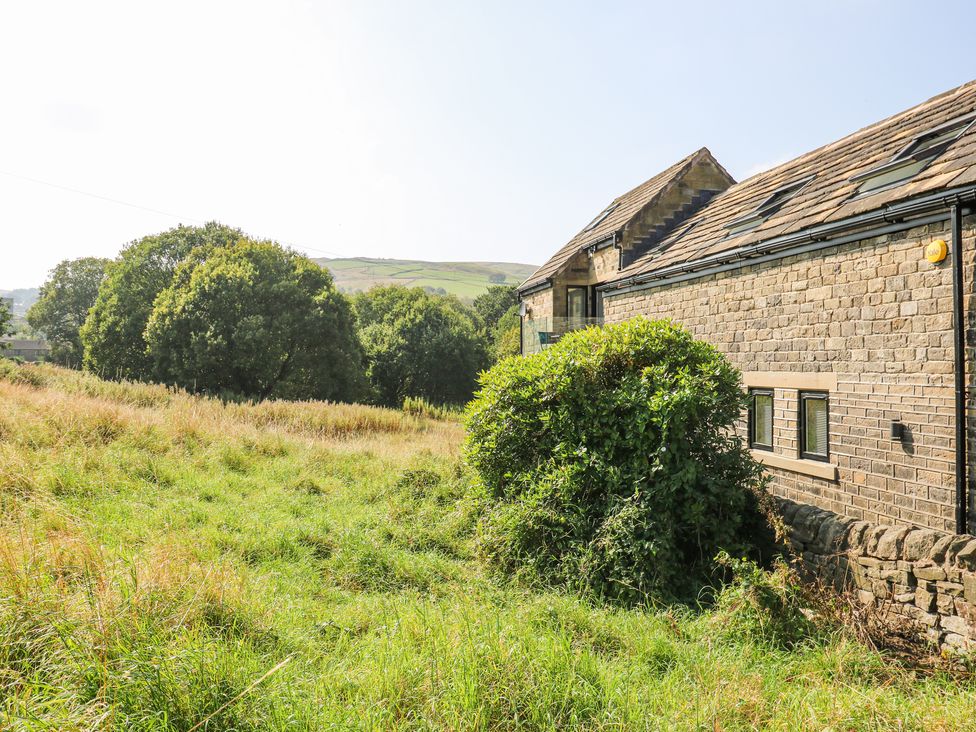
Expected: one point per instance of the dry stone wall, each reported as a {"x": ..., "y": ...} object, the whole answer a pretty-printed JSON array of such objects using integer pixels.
[{"x": 925, "y": 577}]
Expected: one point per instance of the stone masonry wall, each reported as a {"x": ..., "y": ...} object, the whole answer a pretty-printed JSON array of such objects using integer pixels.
[
  {"x": 924, "y": 577},
  {"x": 539, "y": 306},
  {"x": 605, "y": 264},
  {"x": 549, "y": 304},
  {"x": 876, "y": 317},
  {"x": 539, "y": 303}
]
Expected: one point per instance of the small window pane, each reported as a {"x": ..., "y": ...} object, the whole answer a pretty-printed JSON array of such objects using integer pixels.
[
  {"x": 893, "y": 175},
  {"x": 744, "y": 225},
  {"x": 926, "y": 143},
  {"x": 912, "y": 160},
  {"x": 815, "y": 425},
  {"x": 762, "y": 419},
  {"x": 601, "y": 216},
  {"x": 576, "y": 302}
]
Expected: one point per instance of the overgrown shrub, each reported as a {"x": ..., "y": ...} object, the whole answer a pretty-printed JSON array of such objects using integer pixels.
[
  {"x": 609, "y": 462},
  {"x": 759, "y": 606}
]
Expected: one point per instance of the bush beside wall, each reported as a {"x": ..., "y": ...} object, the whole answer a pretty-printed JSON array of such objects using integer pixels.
[{"x": 609, "y": 464}]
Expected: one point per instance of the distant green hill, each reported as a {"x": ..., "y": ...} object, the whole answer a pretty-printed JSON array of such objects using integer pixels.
[
  {"x": 464, "y": 279},
  {"x": 23, "y": 298}
]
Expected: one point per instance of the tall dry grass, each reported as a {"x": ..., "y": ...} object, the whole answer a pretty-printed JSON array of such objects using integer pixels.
[{"x": 168, "y": 406}]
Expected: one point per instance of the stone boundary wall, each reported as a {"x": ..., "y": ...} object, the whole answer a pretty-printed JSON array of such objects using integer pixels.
[{"x": 923, "y": 576}]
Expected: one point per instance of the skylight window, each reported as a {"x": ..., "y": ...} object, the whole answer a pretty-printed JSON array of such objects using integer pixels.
[
  {"x": 606, "y": 212},
  {"x": 770, "y": 205},
  {"x": 913, "y": 158}
]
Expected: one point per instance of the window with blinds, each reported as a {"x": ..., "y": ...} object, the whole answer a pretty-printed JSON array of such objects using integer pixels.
[
  {"x": 814, "y": 438},
  {"x": 761, "y": 419}
]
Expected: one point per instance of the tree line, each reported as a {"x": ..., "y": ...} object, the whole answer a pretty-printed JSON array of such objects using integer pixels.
[{"x": 214, "y": 311}]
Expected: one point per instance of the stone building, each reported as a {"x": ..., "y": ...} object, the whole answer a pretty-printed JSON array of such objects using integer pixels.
[
  {"x": 26, "y": 349},
  {"x": 813, "y": 278},
  {"x": 841, "y": 284}
]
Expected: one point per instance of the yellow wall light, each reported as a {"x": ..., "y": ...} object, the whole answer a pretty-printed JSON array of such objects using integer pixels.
[{"x": 936, "y": 251}]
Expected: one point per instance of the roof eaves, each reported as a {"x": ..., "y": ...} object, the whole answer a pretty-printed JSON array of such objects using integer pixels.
[
  {"x": 544, "y": 284},
  {"x": 602, "y": 240},
  {"x": 889, "y": 213}
]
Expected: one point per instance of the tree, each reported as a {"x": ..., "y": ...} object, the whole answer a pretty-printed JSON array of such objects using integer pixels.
[
  {"x": 63, "y": 305},
  {"x": 498, "y": 316},
  {"x": 419, "y": 345},
  {"x": 113, "y": 335},
  {"x": 506, "y": 338},
  {"x": 5, "y": 319},
  {"x": 492, "y": 304},
  {"x": 252, "y": 319}
]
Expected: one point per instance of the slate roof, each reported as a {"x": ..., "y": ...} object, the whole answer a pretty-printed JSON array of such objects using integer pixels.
[
  {"x": 627, "y": 207},
  {"x": 829, "y": 195}
]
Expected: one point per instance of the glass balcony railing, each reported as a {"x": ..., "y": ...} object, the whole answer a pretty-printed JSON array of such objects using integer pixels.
[{"x": 540, "y": 333}]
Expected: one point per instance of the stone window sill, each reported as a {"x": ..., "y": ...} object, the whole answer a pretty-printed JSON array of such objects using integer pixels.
[
  {"x": 806, "y": 380},
  {"x": 827, "y": 471}
]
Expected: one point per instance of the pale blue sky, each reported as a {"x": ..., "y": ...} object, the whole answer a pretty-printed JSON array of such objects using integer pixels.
[{"x": 428, "y": 130}]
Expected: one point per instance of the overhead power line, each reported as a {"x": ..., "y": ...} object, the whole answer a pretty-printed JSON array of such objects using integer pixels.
[
  {"x": 99, "y": 197},
  {"x": 149, "y": 209}
]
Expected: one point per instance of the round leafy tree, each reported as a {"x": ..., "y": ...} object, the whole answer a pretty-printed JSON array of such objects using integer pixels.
[
  {"x": 63, "y": 306},
  {"x": 113, "y": 336},
  {"x": 609, "y": 462},
  {"x": 255, "y": 320},
  {"x": 419, "y": 345}
]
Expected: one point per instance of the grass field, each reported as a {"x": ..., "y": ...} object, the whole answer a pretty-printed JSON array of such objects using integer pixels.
[
  {"x": 467, "y": 280},
  {"x": 170, "y": 563}
]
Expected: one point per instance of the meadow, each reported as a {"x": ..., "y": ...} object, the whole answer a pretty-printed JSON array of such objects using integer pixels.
[
  {"x": 169, "y": 562},
  {"x": 467, "y": 280}
]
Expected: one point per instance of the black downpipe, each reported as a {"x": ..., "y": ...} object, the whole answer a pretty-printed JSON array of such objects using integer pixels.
[
  {"x": 521, "y": 333},
  {"x": 959, "y": 348}
]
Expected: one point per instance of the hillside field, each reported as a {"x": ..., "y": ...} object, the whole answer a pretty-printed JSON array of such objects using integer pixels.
[
  {"x": 22, "y": 299},
  {"x": 173, "y": 563},
  {"x": 467, "y": 280}
]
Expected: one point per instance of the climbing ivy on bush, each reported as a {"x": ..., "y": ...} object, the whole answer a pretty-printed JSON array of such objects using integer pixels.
[{"x": 609, "y": 462}]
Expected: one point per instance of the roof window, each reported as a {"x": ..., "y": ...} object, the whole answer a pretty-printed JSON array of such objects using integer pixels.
[
  {"x": 770, "y": 205},
  {"x": 606, "y": 212},
  {"x": 912, "y": 158}
]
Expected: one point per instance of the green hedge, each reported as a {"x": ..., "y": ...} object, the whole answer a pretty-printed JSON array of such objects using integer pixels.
[{"x": 609, "y": 463}]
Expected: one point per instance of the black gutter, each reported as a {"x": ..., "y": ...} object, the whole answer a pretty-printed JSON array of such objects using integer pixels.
[
  {"x": 959, "y": 352},
  {"x": 603, "y": 243},
  {"x": 538, "y": 287},
  {"x": 521, "y": 334},
  {"x": 886, "y": 214}
]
